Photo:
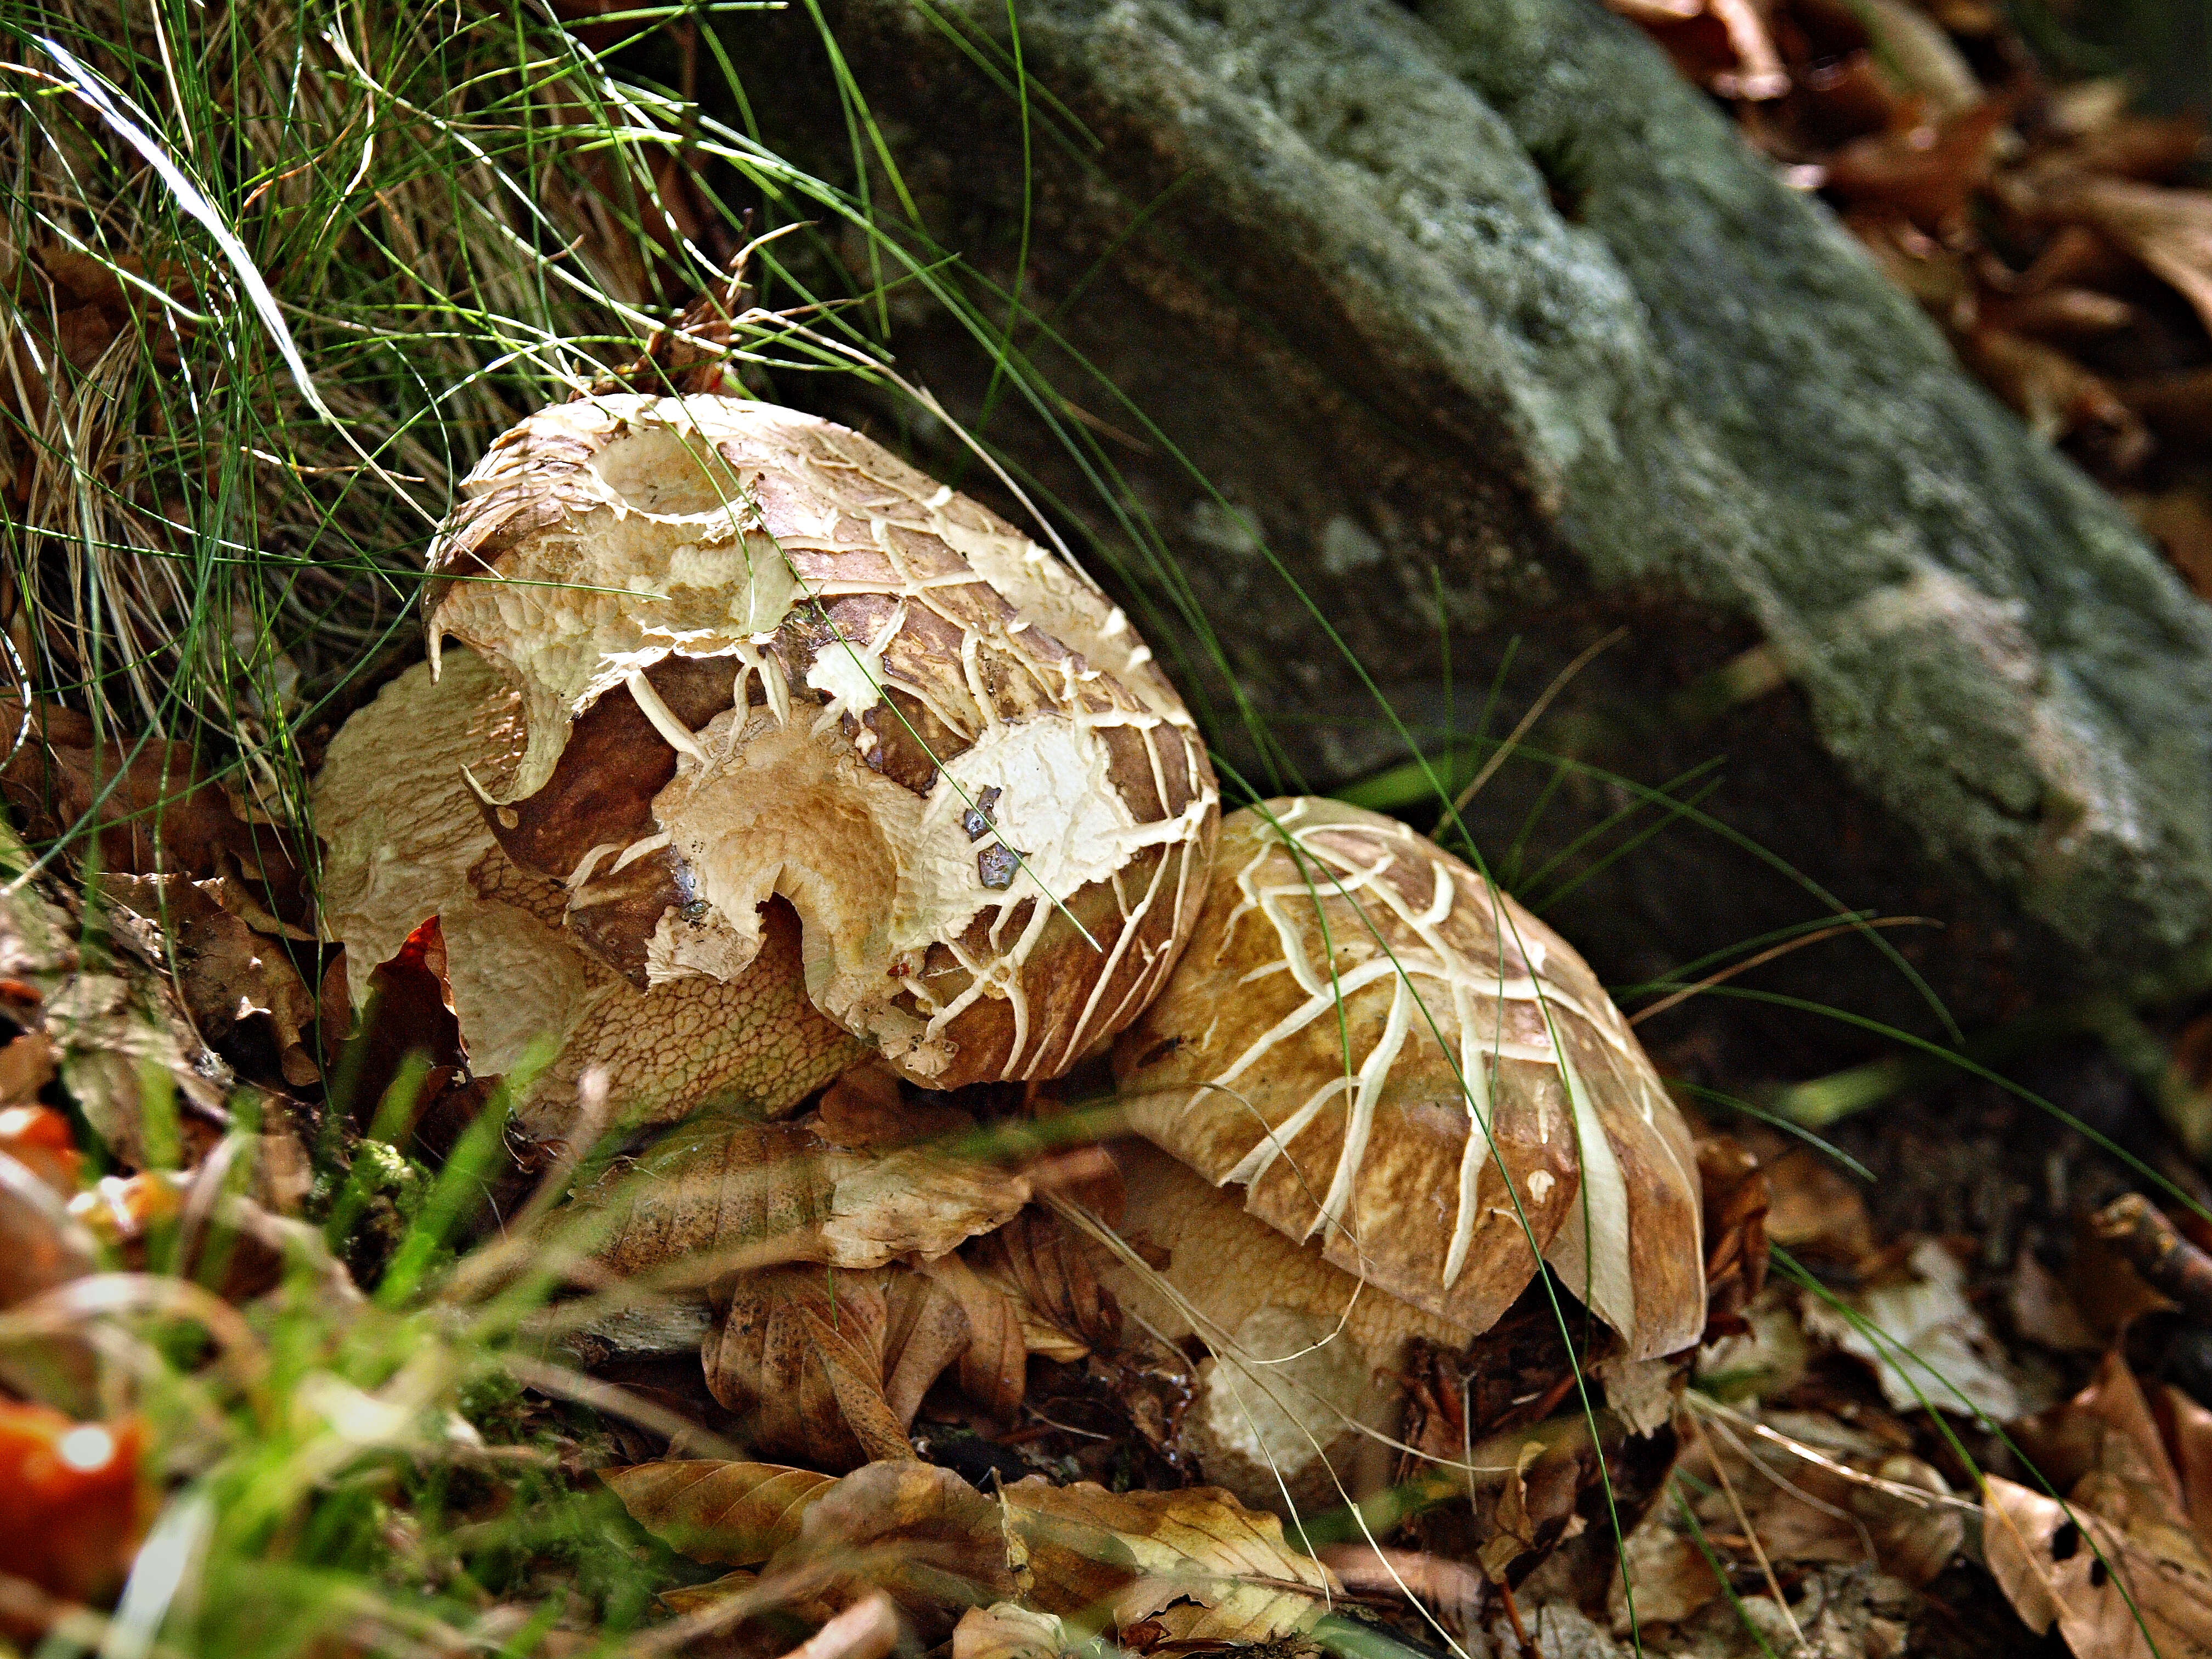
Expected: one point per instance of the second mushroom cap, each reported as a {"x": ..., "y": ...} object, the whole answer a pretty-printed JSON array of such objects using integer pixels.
[{"x": 1388, "y": 1053}]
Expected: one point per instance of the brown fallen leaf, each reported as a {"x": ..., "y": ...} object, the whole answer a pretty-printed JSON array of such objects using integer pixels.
[
  {"x": 1934, "y": 1347},
  {"x": 869, "y": 1629},
  {"x": 107, "y": 1031},
  {"x": 765, "y": 1194},
  {"x": 736, "y": 1515},
  {"x": 155, "y": 807},
  {"x": 2170, "y": 231},
  {"x": 1926, "y": 169},
  {"x": 1815, "y": 1209},
  {"x": 1723, "y": 44},
  {"x": 2110, "y": 1598},
  {"x": 1535, "y": 1506},
  {"x": 1064, "y": 1312},
  {"x": 866, "y": 1107},
  {"x": 1007, "y": 1630},
  {"x": 2042, "y": 1310},
  {"x": 1454, "y": 1592},
  {"x": 239, "y": 985},
  {"x": 918, "y": 1533},
  {"x": 2103, "y": 1449},
  {"x": 2186, "y": 1428},
  {"x": 831, "y": 1366},
  {"x": 1196, "y": 1561},
  {"x": 2056, "y": 395},
  {"x": 1661, "y": 1566},
  {"x": 1823, "y": 1492},
  {"x": 1736, "y": 1200}
]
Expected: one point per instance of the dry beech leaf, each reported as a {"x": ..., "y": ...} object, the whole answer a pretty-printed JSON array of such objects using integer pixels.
[
  {"x": 2055, "y": 395},
  {"x": 869, "y": 1629},
  {"x": 104, "y": 1031},
  {"x": 1928, "y": 171},
  {"x": 831, "y": 1366},
  {"x": 1197, "y": 1562},
  {"x": 2104, "y": 1450},
  {"x": 2169, "y": 230},
  {"x": 2082, "y": 1573},
  {"x": 1064, "y": 1312},
  {"x": 697, "y": 1598},
  {"x": 732, "y": 1514},
  {"x": 1670, "y": 1576},
  {"x": 773, "y": 1192},
  {"x": 157, "y": 806},
  {"x": 1736, "y": 1199},
  {"x": 866, "y": 1107},
  {"x": 2186, "y": 1428},
  {"x": 1007, "y": 1630},
  {"x": 229, "y": 974},
  {"x": 1938, "y": 1349},
  {"x": 918, "y": 1533},
  {"x": 1453, "y": 1590}
]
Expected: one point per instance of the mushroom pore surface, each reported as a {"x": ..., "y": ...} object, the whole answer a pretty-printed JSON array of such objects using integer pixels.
[
  {"x": 756, "y": 655},
  {"x": 1391, "y": 1057},
  {"x": 406, "y": 840}
]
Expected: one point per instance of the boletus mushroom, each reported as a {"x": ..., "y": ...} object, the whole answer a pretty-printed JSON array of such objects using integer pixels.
[
  {"x": 808, "y": 752},
  {"x": 758, "y": 657},
  {"x": 1421, "y": 1093}
]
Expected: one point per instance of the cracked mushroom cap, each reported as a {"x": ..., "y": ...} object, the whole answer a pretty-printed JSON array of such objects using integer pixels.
[
  {"x": 759, "y": 656},
  {"x": 405, "y": 840},
  {"x": 1390, "y": 1055}
]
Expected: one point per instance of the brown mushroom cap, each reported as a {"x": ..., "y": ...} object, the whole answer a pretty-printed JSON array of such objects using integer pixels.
[
  {"x": 759, "y": 656},
  {"x": 1374, "y": 1042},
  {"x": 405, "y": 840}
]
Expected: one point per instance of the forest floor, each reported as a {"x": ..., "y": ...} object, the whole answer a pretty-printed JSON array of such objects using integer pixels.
[{"x": 284, "y": 1369}]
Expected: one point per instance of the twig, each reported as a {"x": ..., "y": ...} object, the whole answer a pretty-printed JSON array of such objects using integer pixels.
[
  {"x": 1750, "y": 1532},
  {"x": 2169, "y": 1263}
]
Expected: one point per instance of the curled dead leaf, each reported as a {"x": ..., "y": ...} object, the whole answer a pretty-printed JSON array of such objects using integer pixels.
[
  {"x": 1196, "y": 1561},
  {"x": 1064, "y": 1312},
  {"x": 2170, "y": 231},
  {"x": 831, "y": 1366},
  {"x": 155, "y": 807},
  {"x": 1926, "y": 1342},
  {"x": 1736, "y": 1200},
  {"x": 1454, "y": 1592},
  {"x": 2056, "y": 395},
  {"x": 764, "y": 1194},
  {"x": 918, "y": 1533},
  {"x": 1924, "y": 168},
  {"x": 240, "y": 989}
]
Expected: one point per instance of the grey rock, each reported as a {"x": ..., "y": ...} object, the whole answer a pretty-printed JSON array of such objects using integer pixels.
[{"x": 1478, "y": 323}]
